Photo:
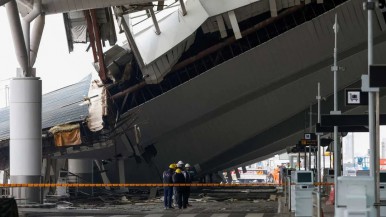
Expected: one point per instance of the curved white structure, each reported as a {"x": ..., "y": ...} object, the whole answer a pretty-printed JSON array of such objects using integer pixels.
[
  {"x": 158, "y": 53},
  {"x": 26, "y": 136}
]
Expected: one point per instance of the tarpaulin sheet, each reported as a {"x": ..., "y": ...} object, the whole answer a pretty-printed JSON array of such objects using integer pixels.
[{"x": 66, "y": 135}]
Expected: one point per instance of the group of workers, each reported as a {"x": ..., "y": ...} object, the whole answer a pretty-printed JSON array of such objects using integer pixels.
[
  {"x": 178, "y": 173},
  {"x": 278, "y": 173}
]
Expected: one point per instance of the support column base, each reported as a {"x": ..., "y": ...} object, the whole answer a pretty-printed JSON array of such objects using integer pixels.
[{"x": 26, "y": 195}]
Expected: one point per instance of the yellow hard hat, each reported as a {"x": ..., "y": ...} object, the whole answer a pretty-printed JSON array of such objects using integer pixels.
[
  {"x": 178, "y": 170},
  {"x": 172, "y": 166}
]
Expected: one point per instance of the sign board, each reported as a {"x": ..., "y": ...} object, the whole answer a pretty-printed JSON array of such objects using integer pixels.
[
  {"x": 308, "y": 142},
  {"x": 356, "y": 97},
  {"x": 330, "y": 129},
  {"x": 377, "y": 76},
  {"x": 349, "y": 120},
  {"x": 309, "y": 136},
  {"x": 300, "y": 148}
]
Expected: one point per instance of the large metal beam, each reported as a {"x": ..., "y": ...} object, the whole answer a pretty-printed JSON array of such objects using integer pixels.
[
  {"x": 129, "y": 90},
  {"x": 91, "y": 35},
  {"x": 231, "y": 40},
  {"x": 210, "y": 50},
  {"x": 102, "y": 67},
  {"x": 234, "y": 24},
  {"x": 160, "y": 5},
  {"x": 183, "y": 8},
  {"x": 273, "y": 8},
  {"x": 155, "y": 22}
]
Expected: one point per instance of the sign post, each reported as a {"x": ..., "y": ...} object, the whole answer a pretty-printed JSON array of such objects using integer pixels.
[{"x": 337, "y": 155}]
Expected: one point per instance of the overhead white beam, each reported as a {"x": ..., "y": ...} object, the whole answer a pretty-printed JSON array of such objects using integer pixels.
[
  {"x": 221, "y": 26},
  {"x": 235, "y": 24},
  {"x": 273, "y": 8},
  {"x": 183, "y": 8},
  {"x": 319, "y": 1},
  {"x": 155, "y": 22}
]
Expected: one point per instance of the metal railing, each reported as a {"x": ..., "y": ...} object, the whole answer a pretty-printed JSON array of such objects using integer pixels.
[{"x": 76, "y": 180}]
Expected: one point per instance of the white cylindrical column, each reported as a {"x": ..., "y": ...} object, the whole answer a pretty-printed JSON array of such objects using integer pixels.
[
  {"x": 81, "y": 171},
  {"x": 26, "y": 136},
  {"x": 82, "y": 168},
  {"x": 79, "y": 166}
]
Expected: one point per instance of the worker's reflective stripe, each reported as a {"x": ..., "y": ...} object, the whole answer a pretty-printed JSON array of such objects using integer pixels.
[
  {"x": 254, "y": 215},
  {"x": 220, "y": 215}
]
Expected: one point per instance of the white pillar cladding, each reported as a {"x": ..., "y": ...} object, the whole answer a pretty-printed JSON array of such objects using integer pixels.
[
  {"x": 81, "y": 167},
  {"x": 26, "y": 136}
]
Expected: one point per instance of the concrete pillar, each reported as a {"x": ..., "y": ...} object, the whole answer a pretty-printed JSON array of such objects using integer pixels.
[
  {"x": 121, "y": 173},
  {"x": 26, "y": 136},
  {"x": 82, "y": 168},
  {"x": 291, "y": 160},
  {"x": 80, "y": 171},
  {"x": 4, "y": 179}
]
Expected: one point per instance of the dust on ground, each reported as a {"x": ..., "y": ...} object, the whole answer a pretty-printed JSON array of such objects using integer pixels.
[{"x": 214, "y": 202}]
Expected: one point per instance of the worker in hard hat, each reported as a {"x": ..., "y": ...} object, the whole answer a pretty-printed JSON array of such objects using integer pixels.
[
  {"x": 179, "y": 165},
  {"x": 188, "y": 179},
  {"x": 178, "y": 178},
  {"x": 168, "y": 190}
]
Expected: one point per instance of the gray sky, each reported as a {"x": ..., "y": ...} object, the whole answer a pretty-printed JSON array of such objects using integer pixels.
[{"x": 55, "y": 66}]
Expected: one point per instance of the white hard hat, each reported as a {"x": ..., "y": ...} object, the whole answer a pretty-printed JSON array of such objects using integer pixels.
[
  {"x": 180, "y": 164},
  {"x": 187, "y": 165}
]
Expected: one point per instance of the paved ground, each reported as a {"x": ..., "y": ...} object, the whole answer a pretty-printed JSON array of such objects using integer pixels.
[
  {"x": 228, "y": 204},
  {"x": 229, "y": 208},
  {"x": 204, "y": 207},
  {"x": 169, "y": 215}
]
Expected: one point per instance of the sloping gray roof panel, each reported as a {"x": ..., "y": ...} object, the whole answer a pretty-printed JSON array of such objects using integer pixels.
[{"x": 59, "y": 106}]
